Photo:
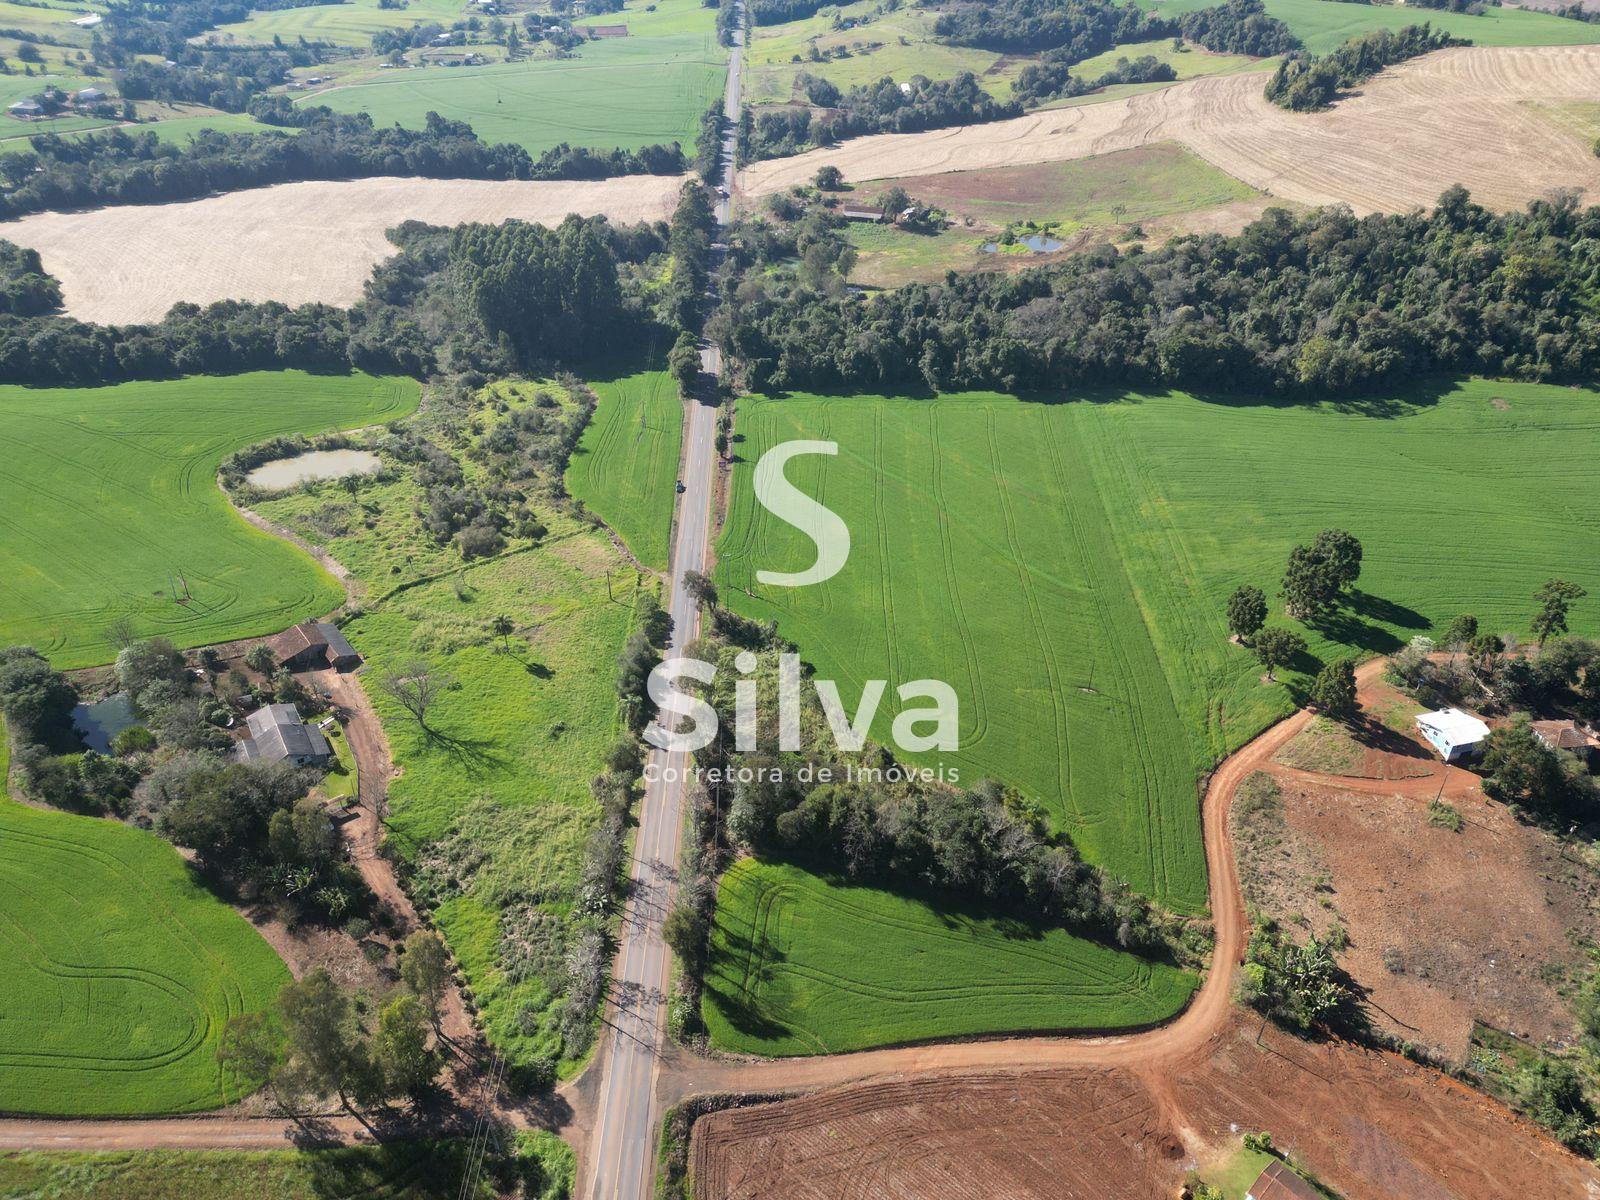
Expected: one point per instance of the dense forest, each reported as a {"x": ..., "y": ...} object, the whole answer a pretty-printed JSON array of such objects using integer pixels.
[
  {"x": 1307, "y": 82},
  {"x": 1322, "y": 303},
  {"x": 119, "y": 167},
  {"x": 1078, "y": 29}
]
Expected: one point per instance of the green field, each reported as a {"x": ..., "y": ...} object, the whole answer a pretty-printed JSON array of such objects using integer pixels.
[
  {"x": 349, "y": 24},
  {"x": 626, "y": 464},
  {"x": 803, "y": 965},
  {"x": 394, "y": 1170},
  {"x": 1325, "y": 24},
  {"x": 1064, "y": 567},
  {"x": 492, "y": 809},
  {"x": 121, "y": 971},
  {"x": 108, "y": 495},
  {"x": 1104, "y": 193}
]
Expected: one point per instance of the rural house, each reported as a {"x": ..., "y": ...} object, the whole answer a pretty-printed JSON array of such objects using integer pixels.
[
  {"x": 27, "y": 107},
  {"x": 312, "y": 645},
  {"x": 1453, "y": 733},
  {"x": 1567, "y": 735},
  {"x": 277, "y": 734},
  {"x": 1278, "y": 1182}
]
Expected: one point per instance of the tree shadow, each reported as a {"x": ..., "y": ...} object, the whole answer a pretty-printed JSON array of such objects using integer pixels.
[{"x": 475, "y": 754}]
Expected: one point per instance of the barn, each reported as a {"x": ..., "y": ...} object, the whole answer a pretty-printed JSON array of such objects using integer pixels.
[{"x": 314, "y": 645}]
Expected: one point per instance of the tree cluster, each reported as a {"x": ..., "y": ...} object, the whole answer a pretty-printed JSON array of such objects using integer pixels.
[
  {"x": 1079, "y": 29},
  {"x": 25, "y": 289},
  {"x": 1297, "y": 984},
  {"x": 119, "y": 167},
  {"x": 1306, "y": 82},
  {"x": 1238, "y": 27},
  {"x": 881, "y": 107},
  {"x": 1320, "y": 303},
  {"x": 1050, "y": 79}
]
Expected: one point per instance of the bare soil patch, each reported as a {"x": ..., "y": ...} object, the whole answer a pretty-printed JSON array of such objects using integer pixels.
[
  {"x": 296, "y": 242},
  {"x": 1368, "y": 1123},
  {"x": 1456, "y": 116},
  {"x": 1370, "y": 751}
]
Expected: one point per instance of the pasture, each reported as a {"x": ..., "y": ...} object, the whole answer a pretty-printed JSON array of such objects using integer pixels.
[
  {"x": 1064, "y": 566},
  {"x": 623, "y": 92},
  {"x": 787, "y": 974},
  {"x": 1324, "y": 24},
  {"x": 348, "y": 24},
  {"x": 625, "y": 465},
  {"x": 121, "y": 971},
  {"x": 108, "y": 507},
  {"x": 492, "y": 808}
]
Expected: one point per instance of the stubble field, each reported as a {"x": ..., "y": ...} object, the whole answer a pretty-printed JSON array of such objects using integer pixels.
[{"x": 1465, "y": 116}]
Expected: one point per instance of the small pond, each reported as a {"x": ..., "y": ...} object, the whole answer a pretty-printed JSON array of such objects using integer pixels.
[
  {"x": 283, "y": 473},
  {"x": 1039, "y": 243},
  {"x": 98, "y": 724}
]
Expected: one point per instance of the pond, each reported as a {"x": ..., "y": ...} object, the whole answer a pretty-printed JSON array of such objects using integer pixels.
[
  {"x": 98, "y": 724},
  {"x": 1039, "y": 243},
  {"x": 283, "y": 473}
]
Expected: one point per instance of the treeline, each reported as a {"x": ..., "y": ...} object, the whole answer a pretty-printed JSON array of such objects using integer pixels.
[
  {"x": 1308, "y": 82},
  {"x": 881, "y": 107},
  {"x": 727, "y": 19},
  {"x": 119, "y": 167},
  {"x": 1080, "y": 29},
  {"x": 779, "y": 12},
  {"x": 1321, "y": 302},
  {"x": 1050, "y": 79},
  {"x": 25, "y": 290},
  {"x": 1238, "y": 27},
  {"x": 484, "y": 299}
]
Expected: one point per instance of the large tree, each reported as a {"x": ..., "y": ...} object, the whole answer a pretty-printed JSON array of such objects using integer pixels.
[
  {"x": 425, "y": 967},
  {"x": 1333, "y": 692},
  {"x": 1247, "y": 612},
  {"x": 1319, "y": 573},
  {"x": 326, "y": 1053},
  {"x": 409, "y": 1065},
  {"x": 1275, "y": 646},
  {"x": 1555, "y": 602}
]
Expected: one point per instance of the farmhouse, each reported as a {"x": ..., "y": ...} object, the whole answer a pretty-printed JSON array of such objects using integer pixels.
[
  {"x": 28, "y": 107},
  {"x": 860, "y": 214},
  {"x": 1567, "y": 735},
  {"x": 1453, "y": 733},
  {"x": 312, "y": 645},
  {"x": 1278, "y": 1182},
  {"x": 277, "y": 734}
]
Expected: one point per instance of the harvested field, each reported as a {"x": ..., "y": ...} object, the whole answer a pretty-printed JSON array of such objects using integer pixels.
[
  {"x": 1458, "y": 116},
  {"x": 1370, "y": 1124},
  {"x": 296, "y": 242}
]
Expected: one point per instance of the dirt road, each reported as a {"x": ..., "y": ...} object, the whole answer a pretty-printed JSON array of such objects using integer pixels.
[{"x": 1499, "y": 121}]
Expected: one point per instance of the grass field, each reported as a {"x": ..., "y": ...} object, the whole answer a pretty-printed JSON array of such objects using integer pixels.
[
  {"x": 1104, "y": 193},
  {"x": 650, "y": 87},
  {"x": 492, "y": 806},
  {"x": 108, "y": 493},
  {"x": 1064, "y": 566},
  {"x": 788, "y": 975},
  {"x": 348, "y": 24},
  {"x": 395, "y": 1170},
  {"x": 121, "y": 971},
  {"x": 1325, "y": 24},
  {"x": 626, "y": 464}
]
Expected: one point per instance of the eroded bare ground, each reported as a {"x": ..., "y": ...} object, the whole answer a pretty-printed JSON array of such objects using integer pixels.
[
  {"x": 295, "y": 242},
  {"x": 1372, "y": 1125},
  {"x": 1466, "y": 116}
]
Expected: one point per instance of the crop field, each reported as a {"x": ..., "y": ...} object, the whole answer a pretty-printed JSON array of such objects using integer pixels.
[
  {"x": 1390, "y": 148},
  {"x": 350, "y": 24},
  {"x": 1064, "y": 566},
  {"x": 121, "y": 971},
  {"x": 626, "y": 464},
  {"x": 108, "y": 505},
  {"x": 297, "y": 243},
  {"x": 627, "y": 92},
  {"x": 1095, "y": 195},
  {"x": 1324, "y": 24},
  {"x": 787, "y": 974},
  {"x": 492, "y": 806},
  {"x": 393, "y": 1170}
]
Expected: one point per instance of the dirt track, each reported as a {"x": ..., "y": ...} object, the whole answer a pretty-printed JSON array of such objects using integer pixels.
[
  {"x": 296, "y": 242},
  {"x": 1464, "y": 116}
]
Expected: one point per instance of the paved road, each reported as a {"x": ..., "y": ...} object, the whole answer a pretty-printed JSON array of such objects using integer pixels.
[{"x": 620, "y": 1164}]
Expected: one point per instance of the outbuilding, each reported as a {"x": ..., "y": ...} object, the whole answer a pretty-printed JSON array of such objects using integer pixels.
[
  {"x": 1278, "y": 1182},
  {"x": 861, "y": 214},
  {"x": 89, "y": 95},
  {"x": 313, "y": 645},
  {"x": 27, "y": 107},
  {"x": 1453, "y": 733},
  {"x": 277, "y": 734}
]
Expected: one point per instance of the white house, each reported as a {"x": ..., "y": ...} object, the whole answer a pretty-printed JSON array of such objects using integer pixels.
[{"x": 1453, "y": 733}]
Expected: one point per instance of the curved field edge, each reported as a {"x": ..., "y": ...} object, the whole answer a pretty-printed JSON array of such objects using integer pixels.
[
  {"x": 1065, "y": 567},
  {"x": 109, "y": 508},
  {"x": 123, "y": 971},
  {"x": 626, "y": 462},
  {"x": 787, "y": 974}
]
